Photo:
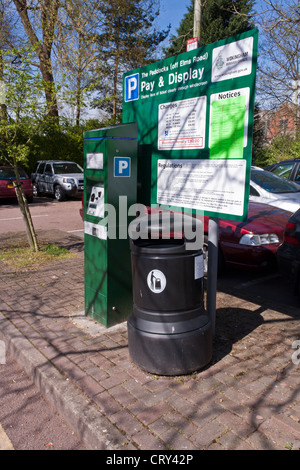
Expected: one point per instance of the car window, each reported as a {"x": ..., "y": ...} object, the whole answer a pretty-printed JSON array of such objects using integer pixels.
[
  {"x": 48, "y": 169},
  {"x": 253, "y": 191},
  {"x": 297, "y": 176},
  {"x": 9, "y": 174},
  {"x": 40, "y": 168},
  {"x": 273, "y": 183},
  {"x": 284, "y": 170},
  {"x": 66, "y": 168},
  {"x": 22, "y": 174}
]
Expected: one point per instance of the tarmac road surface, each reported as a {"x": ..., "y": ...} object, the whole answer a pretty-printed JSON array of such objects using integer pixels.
[{"x": 46, "y": 213}]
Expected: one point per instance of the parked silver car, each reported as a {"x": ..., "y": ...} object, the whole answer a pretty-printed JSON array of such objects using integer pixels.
[
  {"x": 271, "y": 189},
  {"x": 59, "y": 178}
]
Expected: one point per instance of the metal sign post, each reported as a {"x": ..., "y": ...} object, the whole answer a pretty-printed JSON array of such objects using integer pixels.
[{"x": 213, "y": 237}]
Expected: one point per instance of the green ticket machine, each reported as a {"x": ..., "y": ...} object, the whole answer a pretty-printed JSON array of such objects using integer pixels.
[{"x": 110, "y": 186}]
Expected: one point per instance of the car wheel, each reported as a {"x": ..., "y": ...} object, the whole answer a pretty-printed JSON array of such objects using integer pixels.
[
  {"x": 221, "y": 259},
  {"x": 36, "y": 192},
  {"x": 59, "y": 193}
]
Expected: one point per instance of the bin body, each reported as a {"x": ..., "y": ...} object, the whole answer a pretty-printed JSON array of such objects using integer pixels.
[{"x": 169, "y": 332}]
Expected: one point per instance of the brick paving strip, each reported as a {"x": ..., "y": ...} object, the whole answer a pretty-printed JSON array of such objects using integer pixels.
[{"x": 247, "y": 398}]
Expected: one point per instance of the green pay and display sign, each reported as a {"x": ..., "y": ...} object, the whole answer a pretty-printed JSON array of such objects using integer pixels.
[{"x": 195, "y": 121}]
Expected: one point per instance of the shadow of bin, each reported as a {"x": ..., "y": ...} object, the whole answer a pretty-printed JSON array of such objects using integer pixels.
[{"x": 169, "y": 331}]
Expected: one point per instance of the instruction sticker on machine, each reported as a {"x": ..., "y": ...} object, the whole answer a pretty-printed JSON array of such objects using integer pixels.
[
  {"x": 208, "y": 185},
  {"x": 181, "y": 124}
]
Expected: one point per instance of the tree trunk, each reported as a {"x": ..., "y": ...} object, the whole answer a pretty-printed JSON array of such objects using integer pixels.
[
  {"x": 3, "y": 107},
  {"x": 31, "y": 235},
  {"x": 49, "y": 11},
  {"x": 49, "y": 85},
  {"x": 78, "y": 81}
]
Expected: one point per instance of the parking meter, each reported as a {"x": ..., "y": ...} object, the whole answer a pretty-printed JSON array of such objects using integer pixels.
[{"x": 110, "y": 189}]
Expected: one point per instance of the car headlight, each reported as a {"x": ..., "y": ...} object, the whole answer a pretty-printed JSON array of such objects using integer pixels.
[
  {"x": 69, "y": 180},
  {"x": 257, "y": 240}
]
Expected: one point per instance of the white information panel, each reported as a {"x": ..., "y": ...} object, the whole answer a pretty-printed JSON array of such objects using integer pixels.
[
  {"x": 181, "y": 124},
  {"x": 210, "y": 185},
  {"x": 232, "y": 60},
  {"x": 94, "y": 161},
  {"x": 95, "y": 230}
]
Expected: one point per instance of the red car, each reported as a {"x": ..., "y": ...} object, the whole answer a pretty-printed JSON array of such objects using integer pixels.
[
  {"x": 288, "y": 254},
  {"x": 251, "y": 244},
  {"x": 7, "y": 177},
  {"x": 81, "y": 210}
]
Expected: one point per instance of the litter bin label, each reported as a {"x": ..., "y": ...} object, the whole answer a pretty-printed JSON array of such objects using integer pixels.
[
  {"x": 199, "y": 267},
  {"x": 156, "y": 281}
]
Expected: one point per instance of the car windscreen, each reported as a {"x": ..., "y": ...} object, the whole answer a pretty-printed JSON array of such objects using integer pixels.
[
  {"x": 66, "y": 168},
  {"x": 9, "y": 174},
  {"x": 273, "y": 183}
]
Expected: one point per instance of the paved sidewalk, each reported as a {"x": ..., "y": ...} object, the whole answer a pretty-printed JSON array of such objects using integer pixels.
[{"x": 247, "y": 398}]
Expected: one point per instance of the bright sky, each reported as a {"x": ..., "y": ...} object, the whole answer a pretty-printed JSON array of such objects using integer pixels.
[{"x": 172, "y": 11}]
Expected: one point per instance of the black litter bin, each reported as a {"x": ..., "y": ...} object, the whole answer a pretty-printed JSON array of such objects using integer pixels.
[{"x": 169, "y": 332}]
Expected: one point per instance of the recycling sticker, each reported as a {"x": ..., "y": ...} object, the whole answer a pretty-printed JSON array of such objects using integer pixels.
[{"x": 156, "y": 281}]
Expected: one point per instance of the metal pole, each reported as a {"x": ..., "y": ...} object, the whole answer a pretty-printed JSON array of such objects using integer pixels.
[
  {"x": 197, "y": 20},
  {"x": 213, "y": 237}
]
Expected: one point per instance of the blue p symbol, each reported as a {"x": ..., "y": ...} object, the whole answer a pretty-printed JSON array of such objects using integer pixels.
[
  {"x": 132, "y": 87},
  {"x": 122, "y": 166}
]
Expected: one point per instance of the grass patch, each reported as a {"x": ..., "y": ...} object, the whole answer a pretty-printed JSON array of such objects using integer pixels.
[{"x": 24, "y": 257}]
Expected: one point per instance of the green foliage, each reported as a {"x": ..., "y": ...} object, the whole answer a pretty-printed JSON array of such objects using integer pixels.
[
  {"x": 52, "y": 249},
  {"x": 127, "y": 40},
  {"x": 48, "y": 139},
  {"x": 23, "y": 109},
  {"x": 219, "y": 19},
  {"x": 57, "y": 141},
  {"x": 20, "y": 257},
  {"x": 13, "y": 138},
  {"x": 27, "y": 132},
  {"x": 61, "y": 141},
  {"x": 283, "y": 148}
]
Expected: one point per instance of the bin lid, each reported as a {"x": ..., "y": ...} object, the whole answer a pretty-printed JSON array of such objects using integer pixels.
[{"x": 166, "y": 225}]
